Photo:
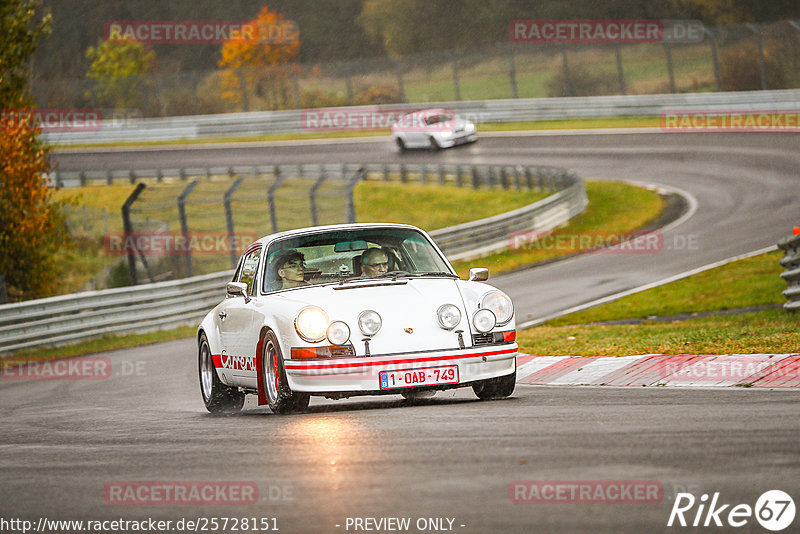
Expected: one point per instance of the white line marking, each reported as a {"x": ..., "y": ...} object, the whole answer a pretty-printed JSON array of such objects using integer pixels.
[
  {"x": 537, "y": 364},
  {"x": 596, "y": 369}
]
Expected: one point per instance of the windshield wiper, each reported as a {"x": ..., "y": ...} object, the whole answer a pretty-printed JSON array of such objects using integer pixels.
[
  {"x": 395, "y": 274},
  {"x": 438, "y": 273}
]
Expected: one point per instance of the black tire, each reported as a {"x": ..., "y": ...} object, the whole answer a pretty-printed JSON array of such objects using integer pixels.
[
  {"x": 496, "y": 388},
  {"x": 434, "y": 144},
  {"x": 218, "y": 398},
  {"x": 417, "y": 394},
  {"x": 280, "y": 397},
  {"x": 401, "y": 144}
]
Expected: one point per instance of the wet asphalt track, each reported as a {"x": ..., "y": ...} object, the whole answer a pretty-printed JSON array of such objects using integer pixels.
[{"x": 453, "y": 457}]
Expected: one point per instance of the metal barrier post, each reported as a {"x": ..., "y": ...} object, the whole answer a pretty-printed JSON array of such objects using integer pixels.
[
  {"x": 273, "y": 216},
  {"x": 670, "y": 69},
  {"x": 512, "y": 72},
  {"x": 714, "y": 57},
  {"x": 128, "y": 229},
  {"x": 184, "y": 223},
  {"x": 761, "y": 63},
  {"x": 351, "y": 205},
  {"x": 620, "y": 69},
  {"x": 229, "y": 218},
  {"x": 312, "y": 197}
]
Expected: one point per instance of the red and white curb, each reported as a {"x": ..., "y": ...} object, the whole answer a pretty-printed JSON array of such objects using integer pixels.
[{"x": 756, "y": 370}]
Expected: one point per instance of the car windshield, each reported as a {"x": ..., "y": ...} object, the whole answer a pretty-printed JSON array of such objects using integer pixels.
[
  {"x": 354, "y": 254},
  {"x": 436, "y": 119}
]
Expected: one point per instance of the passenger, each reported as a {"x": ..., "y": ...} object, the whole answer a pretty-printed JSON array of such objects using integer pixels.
[
  {"x": 289, "y": 269},
  {"x": 374, "y": 262}
]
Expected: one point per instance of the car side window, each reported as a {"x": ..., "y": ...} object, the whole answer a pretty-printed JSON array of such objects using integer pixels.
[{"x": 248, "y": 270}]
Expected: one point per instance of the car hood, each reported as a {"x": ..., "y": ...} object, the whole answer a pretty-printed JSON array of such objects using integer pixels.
[{"x": 408, "y": 308}]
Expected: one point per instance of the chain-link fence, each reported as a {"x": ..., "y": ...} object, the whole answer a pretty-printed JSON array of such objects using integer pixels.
[
  {"x": 729, "y": 58},
  {"x": 180, "y": 223}
]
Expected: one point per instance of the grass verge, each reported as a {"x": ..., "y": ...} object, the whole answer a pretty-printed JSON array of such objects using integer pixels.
[
  {"x": 749, "y": 282},
  {"x": 767, "y": 331},
  {"x": 614, "y": 209},
  {"x": 102, "y": 344},
  {"x": 567, "y": 124}
]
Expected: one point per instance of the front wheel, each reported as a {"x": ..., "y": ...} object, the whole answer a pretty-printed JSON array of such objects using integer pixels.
[
  {"x": 496, "y": 388},
  {"x": 434, "y": 144},
  {"x": 401, "y": 144},
  {"x": 217, "y": 397},
  {"x": 280, "y": 397}
]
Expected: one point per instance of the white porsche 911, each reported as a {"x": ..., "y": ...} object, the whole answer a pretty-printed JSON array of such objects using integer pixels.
[
  {"x": 353, "y": 309},
  {"x": 433, "y": 128}
]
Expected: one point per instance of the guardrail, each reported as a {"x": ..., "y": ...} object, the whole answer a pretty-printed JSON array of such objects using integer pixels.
[
  {"x": 71, "y": 318},
  {"x": 479, "y": 111},
  {"x": 791, "y": 246}
]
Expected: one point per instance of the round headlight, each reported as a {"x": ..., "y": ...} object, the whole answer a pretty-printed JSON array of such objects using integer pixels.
[
  {"x": 311, "y": 324},
  {"x": 484, "y": 320},
  {"x": 369, "y": 322},
  {"x": 448, "y": 316},
  {"x": 338, "y": 333},
  {"x": 499, "y": 304}
]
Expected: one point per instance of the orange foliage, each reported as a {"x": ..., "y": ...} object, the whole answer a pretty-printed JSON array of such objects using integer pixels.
[
  {"x": 259, "y": 62},
  {"x": 276, "y": 42},
  {"x": 31, "y": 223}
]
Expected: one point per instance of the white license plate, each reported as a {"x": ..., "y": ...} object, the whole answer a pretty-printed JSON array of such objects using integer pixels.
[{"x": 429, "y": 376}]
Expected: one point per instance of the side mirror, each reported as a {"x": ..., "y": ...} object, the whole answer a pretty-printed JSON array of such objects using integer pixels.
[
  {"x": 479, "y": 274},
  {"x": 237, "y": 289}
]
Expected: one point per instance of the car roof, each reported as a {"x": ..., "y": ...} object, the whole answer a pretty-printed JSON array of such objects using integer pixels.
[
  {"x": 432, "y": 111},
  {"x": 264, "y": 241}
]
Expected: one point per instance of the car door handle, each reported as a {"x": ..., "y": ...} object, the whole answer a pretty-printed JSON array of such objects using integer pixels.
[{"x": 222, "y": 315}]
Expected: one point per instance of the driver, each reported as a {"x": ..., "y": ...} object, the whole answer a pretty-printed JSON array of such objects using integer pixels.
[
  {"x": 290, "y": 269},
  {"x": 374, "y": 262}
]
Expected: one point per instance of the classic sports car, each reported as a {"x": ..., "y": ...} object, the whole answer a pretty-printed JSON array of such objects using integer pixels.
[
  {"x": 353, "y": 309},
  {"x": 432, "y": 128}
]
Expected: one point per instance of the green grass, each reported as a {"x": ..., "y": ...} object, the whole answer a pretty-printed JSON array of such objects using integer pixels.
[
  {"x": 767, "y": 331},
  {"x": 614, "y": 208},
  {"x": 749, "y": 282},
  {"x": 744, "y": 283},
  {"x": 102, "y": 344},
  {"x": 435, "y": 206}
]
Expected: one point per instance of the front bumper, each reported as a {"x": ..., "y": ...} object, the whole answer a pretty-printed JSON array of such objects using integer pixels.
[
  {"x": 460, "y": 138},
  {"x": 361, "y": 374}
]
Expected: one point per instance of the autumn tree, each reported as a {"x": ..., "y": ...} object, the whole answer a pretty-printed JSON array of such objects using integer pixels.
[
  {"x": 259, "y": 61},
  {"x": 118, "y": 68},
  {"x": 31, "y": 223}
]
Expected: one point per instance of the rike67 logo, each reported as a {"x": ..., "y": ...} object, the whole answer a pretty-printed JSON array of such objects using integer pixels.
[{"x": 774, "y": 510}]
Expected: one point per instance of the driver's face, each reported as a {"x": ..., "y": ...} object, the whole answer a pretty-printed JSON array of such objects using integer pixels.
[
  {"x": 292, "y": 271},
  {"x": 378, "y": 264}
]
